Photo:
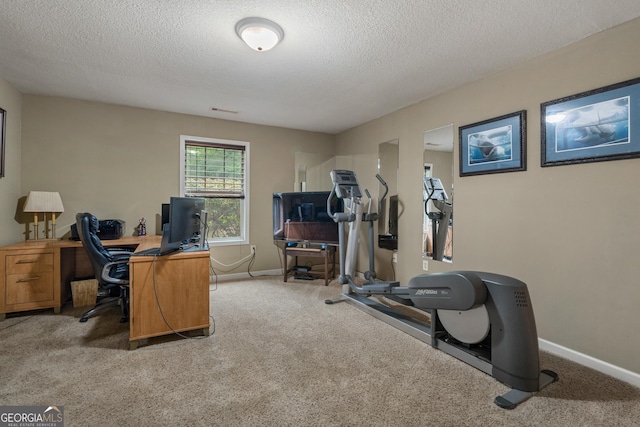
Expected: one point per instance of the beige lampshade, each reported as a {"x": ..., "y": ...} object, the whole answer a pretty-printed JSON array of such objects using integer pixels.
[{"x": 43, "y": 201}]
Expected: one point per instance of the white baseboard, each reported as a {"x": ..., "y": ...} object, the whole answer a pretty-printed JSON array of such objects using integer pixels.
[
  {"x": 234, "y": 276},
  {"x": 583, "y": 359},
  {"x": 591, "y": 362}
]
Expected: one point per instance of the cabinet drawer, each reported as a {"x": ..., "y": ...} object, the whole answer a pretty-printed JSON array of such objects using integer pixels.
[
  {"x": 29, "y": 263},
  {"x": 26, "y": 288}
]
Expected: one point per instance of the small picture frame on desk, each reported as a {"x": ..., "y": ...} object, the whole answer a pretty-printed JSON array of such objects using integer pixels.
[{"x": 3, "y": 125}]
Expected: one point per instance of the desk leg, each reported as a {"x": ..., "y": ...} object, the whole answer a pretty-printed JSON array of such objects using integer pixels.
[
  {"x": 57, "y": 310},
  {"x": 133, "y": 345},
  {"x": 286, "y": 270},
  {"x": 326, "y": 267},
  {"x": 3, "y": 316},
  {"x": 333, "y": 264}
]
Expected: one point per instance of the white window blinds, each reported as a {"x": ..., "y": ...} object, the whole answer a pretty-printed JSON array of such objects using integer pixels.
[{"x": 214, "y": 170}]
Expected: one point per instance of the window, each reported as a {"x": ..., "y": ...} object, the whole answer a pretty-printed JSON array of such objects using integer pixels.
[{"x": 218, "y": 170}]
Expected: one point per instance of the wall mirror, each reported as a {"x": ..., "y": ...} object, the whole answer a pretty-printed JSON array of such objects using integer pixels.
[
  {"x": 312, "y": 171},
  {"x": 388, "y": 220},
  {"x": 437, "y": 222}
]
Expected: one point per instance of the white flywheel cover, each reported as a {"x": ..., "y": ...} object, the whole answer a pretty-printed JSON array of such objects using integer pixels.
[{"x": 469, "y": 326}]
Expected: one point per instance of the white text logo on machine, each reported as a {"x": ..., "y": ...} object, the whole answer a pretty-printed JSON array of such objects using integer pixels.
[{"x": 427, "y": 292}]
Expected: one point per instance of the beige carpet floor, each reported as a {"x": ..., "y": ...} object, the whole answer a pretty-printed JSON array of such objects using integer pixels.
[{"x": 279, "y": 356}]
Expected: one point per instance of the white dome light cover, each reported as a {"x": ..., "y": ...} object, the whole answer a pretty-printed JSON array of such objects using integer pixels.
[{"x": 259, "y": 34}]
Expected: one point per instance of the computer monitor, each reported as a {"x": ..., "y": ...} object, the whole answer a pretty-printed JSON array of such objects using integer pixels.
[
  {"x": 165, "y": 214},
  {"x": 184, "y": 218}
]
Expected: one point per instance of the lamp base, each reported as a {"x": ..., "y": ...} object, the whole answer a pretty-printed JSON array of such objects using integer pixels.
[
  {"x": 35, "y": 232},
  {"x": 46, "y": 238}
]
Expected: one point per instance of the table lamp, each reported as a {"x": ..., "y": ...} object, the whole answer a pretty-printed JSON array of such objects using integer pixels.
[{"x": 44, "y": 201}]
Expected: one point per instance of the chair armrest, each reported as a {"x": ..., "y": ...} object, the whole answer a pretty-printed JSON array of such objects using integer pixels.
[
  {"x": 110, "y": 279},
  {"x": 121, "y": 256},
  {"x": 120, "y": 253}
]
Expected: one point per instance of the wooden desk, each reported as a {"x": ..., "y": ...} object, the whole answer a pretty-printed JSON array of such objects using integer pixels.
[
  {"x": 329, "y": 253},
  {"x": 168, "y": 294},
  {"x": 36, "y": 274}
]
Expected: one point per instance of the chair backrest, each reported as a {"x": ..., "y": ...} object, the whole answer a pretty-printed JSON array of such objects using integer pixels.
[{"x": 87, "y": 225}]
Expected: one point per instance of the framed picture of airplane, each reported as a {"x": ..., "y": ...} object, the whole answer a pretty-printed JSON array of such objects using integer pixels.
[
  {"x": 592, "y": 126},
  {"x": 494, "y": 145}
]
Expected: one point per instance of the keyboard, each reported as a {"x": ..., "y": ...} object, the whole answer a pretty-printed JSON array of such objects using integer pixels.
[{"x": 147, "y": 252}]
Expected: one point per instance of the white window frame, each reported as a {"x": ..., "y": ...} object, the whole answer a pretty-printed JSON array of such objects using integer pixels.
[{"x": 244, "y": 203}]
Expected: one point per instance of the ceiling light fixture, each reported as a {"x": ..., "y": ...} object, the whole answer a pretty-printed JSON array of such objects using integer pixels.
[{"x": 259, "y": 34}]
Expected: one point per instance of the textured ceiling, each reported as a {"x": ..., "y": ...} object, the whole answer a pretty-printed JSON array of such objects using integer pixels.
[{"x": 341, "y": 63}]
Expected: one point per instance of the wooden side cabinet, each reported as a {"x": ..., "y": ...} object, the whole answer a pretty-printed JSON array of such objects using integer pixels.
[
  {"x": 30, "y": 278},
  {"x": 168, "y": 294}
]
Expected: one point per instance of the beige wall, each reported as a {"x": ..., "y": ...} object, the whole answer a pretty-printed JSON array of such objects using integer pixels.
[
  {"x": 11, "y": 102},
  {"x": 121, "y": 162},
  {"x": 572, "y": 233}
]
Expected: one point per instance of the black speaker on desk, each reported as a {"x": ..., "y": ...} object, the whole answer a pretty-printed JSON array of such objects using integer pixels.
[{"x": 109, "y": 229}]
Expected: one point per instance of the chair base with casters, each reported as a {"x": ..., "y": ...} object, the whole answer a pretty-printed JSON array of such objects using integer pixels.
[
  {"x": 111, "y": 268},
  {"x": 122, "y": 300}
]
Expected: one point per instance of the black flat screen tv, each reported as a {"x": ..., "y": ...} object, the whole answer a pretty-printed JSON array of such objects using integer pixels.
[{"x": 303, "y": 216}]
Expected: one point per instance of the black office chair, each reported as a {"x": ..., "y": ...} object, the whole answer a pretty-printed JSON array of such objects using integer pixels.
[{"x": 110, "y": 267}]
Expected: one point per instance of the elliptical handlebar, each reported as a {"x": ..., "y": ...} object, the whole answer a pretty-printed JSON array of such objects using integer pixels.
[
  {"x": 366, "y": 191},
  {"x": 338, "y": 216},
  {"x": 429, "y": 188},
  {"x": 433, "y": 187},
  {"x": 386, "y": 190}
]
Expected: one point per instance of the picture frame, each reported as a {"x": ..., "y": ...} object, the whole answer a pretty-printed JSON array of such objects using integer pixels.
[
  {"x": 3, "y": 125},
  {"x": 494, "y": 146},
  {"x": 592, "y": 126}
]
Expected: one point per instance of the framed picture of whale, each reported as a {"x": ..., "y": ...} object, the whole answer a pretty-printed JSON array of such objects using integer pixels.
[
  {"x": 593, "y": 126},
  {"x": 495, "y": 145}
]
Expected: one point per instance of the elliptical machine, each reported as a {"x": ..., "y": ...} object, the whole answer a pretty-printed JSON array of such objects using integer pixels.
[
  {"x": 483, "y": 319},
  {"x": 435, "y": 192},
  {"x": 370, "y": 218}
]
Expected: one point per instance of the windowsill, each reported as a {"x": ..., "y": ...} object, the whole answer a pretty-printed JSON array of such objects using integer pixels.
[{"x": 227, "y": 242}]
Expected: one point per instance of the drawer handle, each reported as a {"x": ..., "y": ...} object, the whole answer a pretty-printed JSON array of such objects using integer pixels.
[
  {"x": 28, "y": 261},
  {"x": 29, "y": 279}
]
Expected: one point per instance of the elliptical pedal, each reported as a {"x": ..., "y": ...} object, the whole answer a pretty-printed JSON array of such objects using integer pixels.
[
  {"x": 400, "y": 300},
  {"x": 377, "y": 288}
]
